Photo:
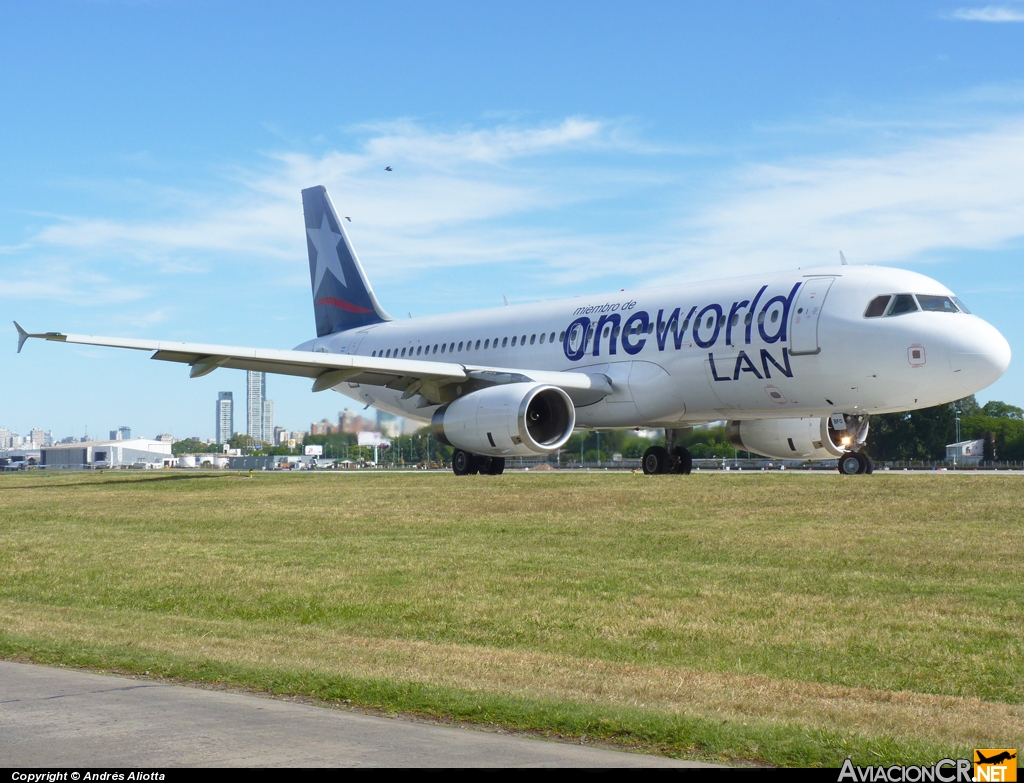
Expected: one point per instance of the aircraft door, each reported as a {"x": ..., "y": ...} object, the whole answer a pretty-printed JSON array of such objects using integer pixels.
[{"x": 803, "y": 334}]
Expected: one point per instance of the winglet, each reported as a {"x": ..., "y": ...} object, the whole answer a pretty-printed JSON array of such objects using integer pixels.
[
  {"x": 842, "y": 259},
  {"x": 22, "y": 335}
]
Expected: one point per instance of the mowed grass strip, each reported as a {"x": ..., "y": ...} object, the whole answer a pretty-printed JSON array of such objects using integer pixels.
[{"x": 880, "y": 615}]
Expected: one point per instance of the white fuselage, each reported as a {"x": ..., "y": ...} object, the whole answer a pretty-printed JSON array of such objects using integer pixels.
[{"x": 784, "y": 345}]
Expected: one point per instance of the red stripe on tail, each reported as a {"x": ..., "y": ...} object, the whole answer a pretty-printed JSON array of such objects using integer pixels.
[{"x": 347, "y": 306}]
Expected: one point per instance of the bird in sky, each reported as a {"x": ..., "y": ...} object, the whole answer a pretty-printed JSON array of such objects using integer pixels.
[
  {"x": 348, "y": 218},
  {"x": 387, "y": 168}
]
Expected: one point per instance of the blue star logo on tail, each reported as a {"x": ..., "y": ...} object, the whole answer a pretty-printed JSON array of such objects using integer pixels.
[{"x": 326, "y": 243}]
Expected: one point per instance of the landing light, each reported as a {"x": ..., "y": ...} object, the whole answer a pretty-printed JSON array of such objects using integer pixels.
[{"x": 845, "y": 441}]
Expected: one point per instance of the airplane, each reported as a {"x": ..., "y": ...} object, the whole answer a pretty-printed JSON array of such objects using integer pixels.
[
  {"x": 796, "y": 362},
  {"x": 1004, "y": 756}
]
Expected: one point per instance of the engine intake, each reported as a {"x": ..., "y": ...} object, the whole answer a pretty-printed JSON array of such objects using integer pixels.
[
  {"x": 510, "y": 420},
  {"x": 814, "y": 438}
]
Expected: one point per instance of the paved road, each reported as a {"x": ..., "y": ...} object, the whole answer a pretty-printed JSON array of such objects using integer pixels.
[{"x": 57, "y": 717}]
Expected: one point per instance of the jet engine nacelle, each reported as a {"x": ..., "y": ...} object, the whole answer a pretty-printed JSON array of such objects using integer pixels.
[
  {"x": 512, "y": 420},
  {"x": 816, "y": 438}
]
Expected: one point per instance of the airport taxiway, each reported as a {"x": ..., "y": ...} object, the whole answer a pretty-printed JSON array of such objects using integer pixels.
[{"x": 54, "y": 717}]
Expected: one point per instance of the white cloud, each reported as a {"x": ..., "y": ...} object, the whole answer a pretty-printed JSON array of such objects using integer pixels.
[
  {"x": 440, "y": 181},
  {"x": 988, "y": 13},
  {"x": 515, "y": 195},
  {"x": 51, "y": 281},
  {"x": 958, "y": 192}
]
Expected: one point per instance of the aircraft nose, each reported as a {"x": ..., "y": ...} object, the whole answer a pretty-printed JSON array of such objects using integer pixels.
[{"x": 978, "y": 354}]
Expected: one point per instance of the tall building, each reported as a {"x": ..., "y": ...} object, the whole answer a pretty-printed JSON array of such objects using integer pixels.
[
  {"x": 268, "y": 421},
  {"x": 256, "y": 395},
  {"x": 225, "y": 416},
  {"x": 5, "y": 438}
]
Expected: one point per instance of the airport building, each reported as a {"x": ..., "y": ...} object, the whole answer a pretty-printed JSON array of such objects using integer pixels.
[
  {"x": 967, "y": 452},
  {"x": 96, "y": 454}
]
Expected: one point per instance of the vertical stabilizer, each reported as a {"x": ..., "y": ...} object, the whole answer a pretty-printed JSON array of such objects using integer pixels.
[{"x": 342, "y": 296}]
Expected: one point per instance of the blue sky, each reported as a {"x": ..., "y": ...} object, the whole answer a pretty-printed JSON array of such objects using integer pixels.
[{"x": 152, "y": 156}]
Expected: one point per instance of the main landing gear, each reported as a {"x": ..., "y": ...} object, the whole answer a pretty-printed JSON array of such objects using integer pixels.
[
  {"x": 853, "y": 462},
  {"x": 657, "y": 459},
  {"x": 670, "y": 458},
  {"x": 466, "y": 464}
]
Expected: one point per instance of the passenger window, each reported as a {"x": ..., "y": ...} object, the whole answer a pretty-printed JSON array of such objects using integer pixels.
[
  {"x": 607, "y": 331},
  {"x": 735, "y": 318},
  {"x": 373, "y": 353},
  {"x": 460, "y": 345},
  {"x": 686, "y": 324},
  {"x": 936, "y": 304},
  {"x": 561, "y": 337},
  {"x": 442, "y": 347},
  {"x": 451, "y": 348},
  {"x": 615, "y": 333},
  {"x": 477, "y": 345},
  {"x": 901, "y": 304},
  {"x": 419, "y": 350},
  {"x": 747, "y": 319},
  {"x": 487, "y": 344},
  {"x": 760, "y": 317},
  {"x": 775, "y": 316},
  {"x": 711, "y": 320},
  {"x": 877, "y": 306},
  {"x": 513, "y": 341},
  {"x": 435, "y": 348},
  {"x": 403, "y": 352},
  {"x": 551, "y": 338},
  {"x": 542, "y": 338}
]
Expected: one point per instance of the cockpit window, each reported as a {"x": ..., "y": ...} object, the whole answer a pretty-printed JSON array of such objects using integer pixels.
[
  {"x": 877, "y": 306},
  {"x": 963, "y": 308},
  {"x": 936, "y": 304},
  {"x": 902, "y": 303}
]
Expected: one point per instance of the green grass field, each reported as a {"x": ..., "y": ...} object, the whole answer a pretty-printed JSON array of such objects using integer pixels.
[{"x": 789, "y": 619}]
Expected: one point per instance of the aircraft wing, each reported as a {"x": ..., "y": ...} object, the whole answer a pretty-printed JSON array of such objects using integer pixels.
[{"x": 428, "y": 379}]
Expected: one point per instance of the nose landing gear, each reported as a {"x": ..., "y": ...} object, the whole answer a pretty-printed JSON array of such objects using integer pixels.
[{"x": 853, "y": 462}]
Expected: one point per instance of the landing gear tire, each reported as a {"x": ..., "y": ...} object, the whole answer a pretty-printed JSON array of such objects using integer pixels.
[
  {"x": 684, "y": 461},
  {"x": 656, "y": 460},
  {"x": 463, "y": 463},
  {"x": 496, "y": 466},
  {"x": 869, "y": 464},
  {"x": 852, "y": 463}
]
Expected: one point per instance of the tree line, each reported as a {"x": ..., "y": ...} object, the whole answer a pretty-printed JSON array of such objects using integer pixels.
[{"x": 923, "y": 434}]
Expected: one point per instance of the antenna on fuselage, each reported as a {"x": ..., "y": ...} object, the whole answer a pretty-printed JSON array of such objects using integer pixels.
[{"x": 842, "y": 259}]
